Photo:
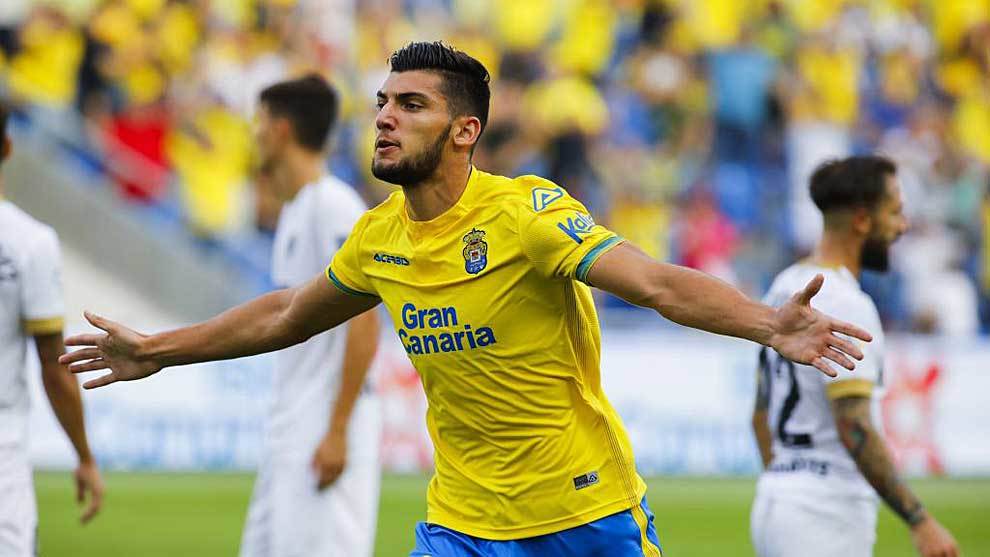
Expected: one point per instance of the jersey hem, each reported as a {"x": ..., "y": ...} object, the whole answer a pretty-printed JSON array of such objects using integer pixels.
[
  {"x": 47, "y": 326},
  {"x": 584, "y": 267},
  {"x": 848, "y": 388},
  {"x": 472, "y": 529},
  {"x": 346, "y": 289},
  {"x": 811, "y": 488}
]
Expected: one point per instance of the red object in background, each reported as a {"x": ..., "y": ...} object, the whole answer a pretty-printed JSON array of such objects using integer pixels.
[
  {"x": 136, "y": 152},
  {"x": 406, "y": 445},
  {"x": 908, "y": 416},
  {"x": 708, "y": 239}
]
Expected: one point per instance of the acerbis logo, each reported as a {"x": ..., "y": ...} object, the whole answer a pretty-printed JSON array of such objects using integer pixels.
[{"x": 393, "y": 259}]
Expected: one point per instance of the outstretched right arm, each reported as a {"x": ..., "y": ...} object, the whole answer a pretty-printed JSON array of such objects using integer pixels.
[{"x": 265, "y": 324}]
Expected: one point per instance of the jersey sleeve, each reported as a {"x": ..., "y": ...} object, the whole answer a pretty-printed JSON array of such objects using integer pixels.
[
  {"x": 345, "y": 270},
  {"x": 861, "y": 381},
  {"x": 41, "y": 287},
  {"x": 559, "y": 236}
]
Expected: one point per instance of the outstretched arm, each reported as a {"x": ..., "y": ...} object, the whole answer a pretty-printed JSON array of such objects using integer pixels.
[
  {"x": 867, "y": 448},
  {"x": 330, "y": 457},
  {"x": 63, "y": 394},
  {"x": 695, "y": 299},
  {"x": 265, "y": 324}
]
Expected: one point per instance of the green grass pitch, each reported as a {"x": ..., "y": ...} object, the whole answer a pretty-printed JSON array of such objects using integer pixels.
[{"x": 189, "y": 515}]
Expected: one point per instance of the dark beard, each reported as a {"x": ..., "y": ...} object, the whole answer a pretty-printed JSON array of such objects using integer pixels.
[
  {"x": 875, "y": 256},
  {"x": 411, "y": 171}
]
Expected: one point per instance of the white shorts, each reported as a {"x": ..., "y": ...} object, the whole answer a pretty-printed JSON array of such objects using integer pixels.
[
  {"x": 813, "y": 526},
  {"x": 18, "y": 510},
  {"x": 289, "y": 517}
]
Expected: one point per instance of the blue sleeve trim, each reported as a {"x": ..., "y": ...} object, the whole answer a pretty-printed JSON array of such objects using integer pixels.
[
  {"x": 584, "y": 267},
  {"x": 336, "y": 282}
]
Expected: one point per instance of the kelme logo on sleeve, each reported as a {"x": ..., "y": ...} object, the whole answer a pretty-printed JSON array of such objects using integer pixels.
[
  {"x": 576, "y": 226},
  {"x": 475, "y": 252}
]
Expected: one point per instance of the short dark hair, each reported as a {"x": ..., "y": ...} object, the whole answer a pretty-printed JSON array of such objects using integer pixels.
[
  {"x": 851, "y": 182},
  {"x": 309, "y": 103},
  {"x": 465, "y": 80}
]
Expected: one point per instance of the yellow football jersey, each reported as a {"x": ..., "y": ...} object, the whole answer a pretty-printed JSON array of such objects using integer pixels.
[{"x": 488, "y": 302}]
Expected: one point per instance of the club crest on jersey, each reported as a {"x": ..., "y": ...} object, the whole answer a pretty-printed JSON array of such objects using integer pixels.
[{"x": 475, "y": 252}]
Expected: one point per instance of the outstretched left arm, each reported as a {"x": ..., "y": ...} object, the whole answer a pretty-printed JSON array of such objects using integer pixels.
[{"x": 694, "y": 299}]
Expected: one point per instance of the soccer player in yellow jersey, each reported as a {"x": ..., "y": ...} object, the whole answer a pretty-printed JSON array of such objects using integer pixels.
[{"x": 486, "y": 280}]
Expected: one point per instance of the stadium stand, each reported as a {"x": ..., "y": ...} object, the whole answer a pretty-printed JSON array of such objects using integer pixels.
[{"x": 688, "y": 125}]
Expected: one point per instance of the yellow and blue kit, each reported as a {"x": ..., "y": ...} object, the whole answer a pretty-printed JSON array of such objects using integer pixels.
[{"x": 489, "y": 302}]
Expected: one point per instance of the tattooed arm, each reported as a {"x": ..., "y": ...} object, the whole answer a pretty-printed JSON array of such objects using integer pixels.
[
  {"x": 868, "y": 449},
  {"x": 760, "y": 427}
]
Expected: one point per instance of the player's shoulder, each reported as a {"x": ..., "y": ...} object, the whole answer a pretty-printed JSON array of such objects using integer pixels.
[
  {"x": 337, "y": 195},
  {"x": 391, "y": 206},
  {"x": 528, "y": 193},
  {"x": 840, "y": 294},
  {"x": 24, "y": 231},
  {"x": 387, "y": 213}
]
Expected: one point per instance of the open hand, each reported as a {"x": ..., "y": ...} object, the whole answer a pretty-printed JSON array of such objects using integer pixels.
[
  {"x": 807, "y": 336},
  {"x": 116, "y": 349}
]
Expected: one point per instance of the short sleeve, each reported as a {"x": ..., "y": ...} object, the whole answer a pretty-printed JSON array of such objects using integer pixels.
[
  {"x": 345, "y": 270},
  {"x": 41, "y": 287},
  {"x": 862, "y": 380},
  {"x": 558, "y": 234}
]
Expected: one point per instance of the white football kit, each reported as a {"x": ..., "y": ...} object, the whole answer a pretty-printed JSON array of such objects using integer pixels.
[
  {"x": 288, "y": 516},
  {"x": 812, "y": 500},
  {"x": 30, "y": 304}
]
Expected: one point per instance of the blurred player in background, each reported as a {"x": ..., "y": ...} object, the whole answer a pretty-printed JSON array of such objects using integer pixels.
[
  {"x": 31, "y": 307},
  {"x": 486, "y": 279},
  {"x": 825, "y": 461},
  {"x": 316, "y": 493}
]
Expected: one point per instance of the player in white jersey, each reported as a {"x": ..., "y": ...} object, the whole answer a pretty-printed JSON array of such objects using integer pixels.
[
  {"x": 316, "y": 493},
  {"x": 824, "y": 456},
  {"x": 31, "y": 307}
]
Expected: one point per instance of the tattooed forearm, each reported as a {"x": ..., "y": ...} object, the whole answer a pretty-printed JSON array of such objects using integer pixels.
[{"x": 867, "y": 448}]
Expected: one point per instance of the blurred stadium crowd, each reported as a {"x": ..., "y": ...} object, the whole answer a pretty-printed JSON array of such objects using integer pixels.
[{"x": 689, "y": 126}]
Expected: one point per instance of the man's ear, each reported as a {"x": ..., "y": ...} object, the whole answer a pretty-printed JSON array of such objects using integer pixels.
[
  {"x": 283, "y": 128},
  {"x": 862, "y": 220},
  {"x": 466, "y": 131}
]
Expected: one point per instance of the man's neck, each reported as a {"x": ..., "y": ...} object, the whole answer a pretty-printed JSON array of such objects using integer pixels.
[
  {"x": 432, "y": 197},
  {"x": 298, "y": 169},
  {"x": 839, "y": 250}
]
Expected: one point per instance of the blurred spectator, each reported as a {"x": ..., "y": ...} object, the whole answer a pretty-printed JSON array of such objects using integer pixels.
[
  {"x": 631, "y": 104},
  {"x": 706, "y": 239},
  {"x": 43, "y": 70}
]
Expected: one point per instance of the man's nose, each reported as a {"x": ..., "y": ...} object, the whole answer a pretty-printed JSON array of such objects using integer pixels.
[{"x": 385, "y": 119}]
